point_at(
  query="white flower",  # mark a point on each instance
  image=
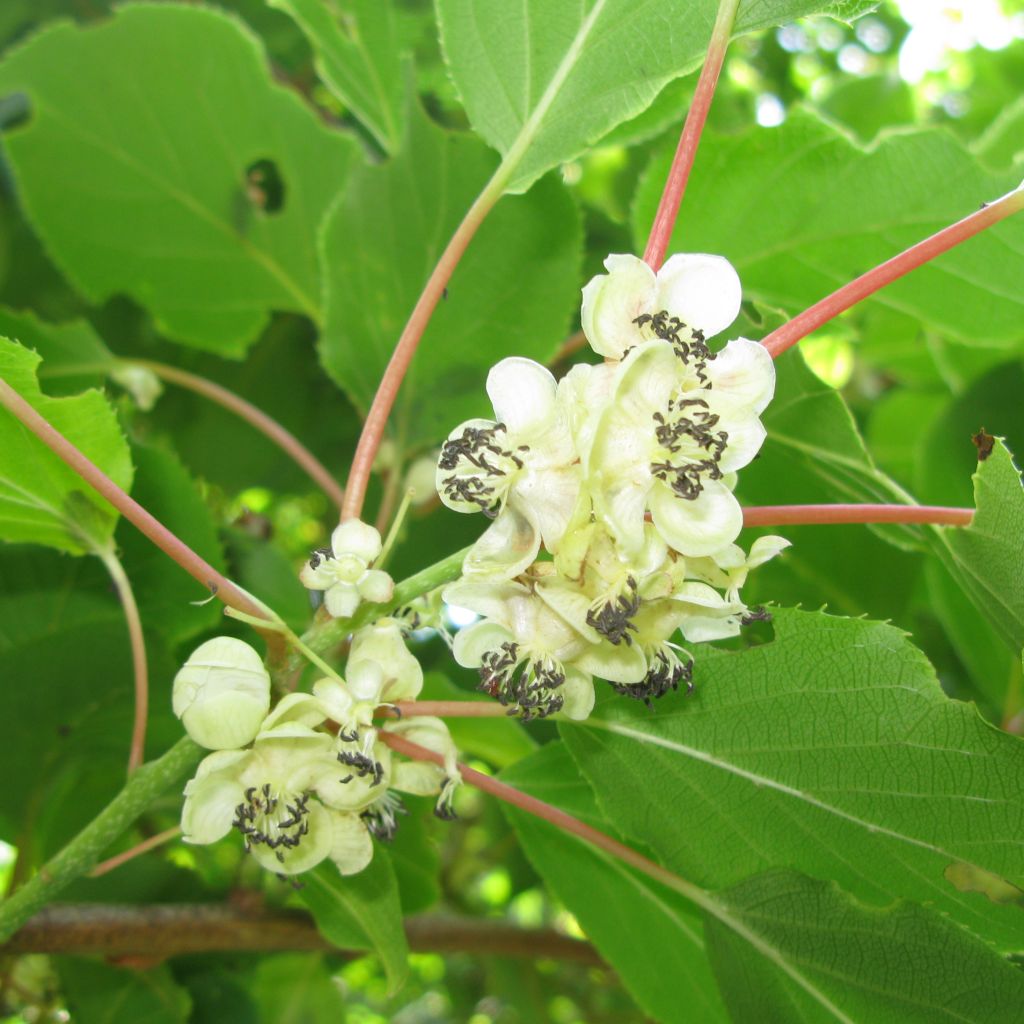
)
(520, 468)
(222, 694)
(693, 297)
(343, 570)
(676, 429)
(524, 651)
(273, 794)
(424, 778)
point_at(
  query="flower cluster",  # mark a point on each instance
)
(623, 473)
(311, 778)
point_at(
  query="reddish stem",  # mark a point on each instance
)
(867, 284)
(799, 515)
(284, 439)
(443, 709)
(405, 349)
(144, 847)
(689, 140)
(555, 815)
(196, 566)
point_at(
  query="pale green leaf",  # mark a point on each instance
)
(358, 58)
(360, 912)
(801, 210)
(646, 931)
(987, 557)
(541, 81)
(41, 499)
(139, 168)
(825, 957)
(832, 750)
(513, 293)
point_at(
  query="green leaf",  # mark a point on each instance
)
(800, 210)
(361, 912)
(296, 988)
(896, 965)
(414, 857)
(41, 499)
(358, 58)
(814, 452)
(514, 292)
(170, 601)
(138, 168)
(103, 994)
(646, 931)
(832, 750)
(542, 81)
(986, 557)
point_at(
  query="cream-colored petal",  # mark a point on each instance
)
(342, 600)
(764, 549)
(421, 778)
(618, 663)
(506, 548)
(313, 847)
(550, 495)
(376, 586)
(698, 527)
(523, 395)
(473, 642)
(577, 693)
(302, 708)
(743, 374)
(703, 291)
(701, 629)
(622, 511)
(746, 435)
(491, 599)
(351, 845)
(612, 301)
(209, 808)
(357, 538)
(225, 721)
(325, 574)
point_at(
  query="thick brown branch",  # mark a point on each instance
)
(175, 929)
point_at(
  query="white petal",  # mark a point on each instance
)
(376, 586)
(577, 693)
(342, 600)
(492, 600)
(765, 548)
(365, 679)
(384, 645)
(431, 733)
(323, 576)
(622, 663)
(700, 629)
(703, 291)
(743, 373)
(356, 538)
(611, 302)
(225, 721)
(303, 708)
(506, 548)
(569, 602)
(622, 511)
(473, 642)
(209, 808)
(351, 847)
(418, 777)
(699, 527)
(703, 596)
(550, 495)
(746, 436)
(314, 846)
(522, 393)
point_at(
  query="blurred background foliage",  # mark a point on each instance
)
(916, 394)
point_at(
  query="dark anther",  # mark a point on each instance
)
(694, 348)
(614, 619)
(443, 809)
(756, 615)
(320, 555)
(348, 737)
(381, 818)
(524, 686)
(363, 766)
(664, 675)
(984, 442)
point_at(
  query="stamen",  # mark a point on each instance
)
(478, 447)
(760, 614)
(667, 328)
(612, 618)
(664, 675)
(381, 817)
(363, 764)
(255, 819)
(689, 419)
(523, 685)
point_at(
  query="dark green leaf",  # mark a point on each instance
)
(811, 952)
(361, 912)
(514, 292)
(101, 994)
(800, 210)
(358, 58)
(179, 174)
(647, 932)
(831, 749)
(541, 81)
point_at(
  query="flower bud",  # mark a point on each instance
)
(222, 694)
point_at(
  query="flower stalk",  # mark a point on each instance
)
(802, 515)
(885, 273)
(689, 140)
